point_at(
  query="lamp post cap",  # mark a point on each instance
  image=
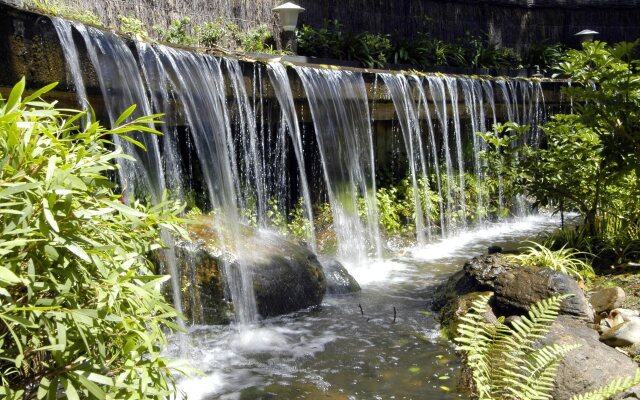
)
(586, 32)
(288, 6)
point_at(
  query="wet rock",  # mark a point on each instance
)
(623, 335)
(494, 249)
(477, 275)
(607, 299)
(201, 283)
(518, 289)
(457, 308)
(339, 281)
(286, 276)
(589, 367)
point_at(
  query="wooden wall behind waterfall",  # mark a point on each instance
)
(513, 23)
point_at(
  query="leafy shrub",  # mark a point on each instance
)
(177, 33)
(55, 8)
(133, 27)
(220, 32)
(506, 365)
(544, 56)
(257, 40)
(81, 311)
(563, 260)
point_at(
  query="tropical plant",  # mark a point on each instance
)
(565, 260)
(503, 361)
(506, 363)
(81, 312)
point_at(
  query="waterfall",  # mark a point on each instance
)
(438, 94)
(118, 74)
(282, 88)
(253, 155)
(197, 81)
(340, 110)
(400, 91)
(65, 34)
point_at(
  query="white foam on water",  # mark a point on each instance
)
(454, 246)
(198, 388)
(376, 271)
(228, 357)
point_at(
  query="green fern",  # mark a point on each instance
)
(615, 387)
(503, 361)
(505, 364)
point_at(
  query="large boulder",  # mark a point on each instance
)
(287, 276)
(201, 284)
(589, 367)
(454, 310)
(339, 280)
(517, 290)
(477, 275)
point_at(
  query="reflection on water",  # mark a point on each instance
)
(335, 351)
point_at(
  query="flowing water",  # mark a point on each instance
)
(335, 351)
(248, 151)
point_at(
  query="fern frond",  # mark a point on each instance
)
(615, 387)
(503, 360)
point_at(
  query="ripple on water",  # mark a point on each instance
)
(338, 352)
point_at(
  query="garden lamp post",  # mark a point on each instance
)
(586, 35)
(288, 13)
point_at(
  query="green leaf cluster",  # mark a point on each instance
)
(56, 8)
(507, 363)
(566, 260)
(374, 50)
(81, 312)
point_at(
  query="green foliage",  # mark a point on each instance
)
(501, 164)
(133, 27)
(588, 161)
(55, 8)
(257, 40)
(606, 92)
(375, 50)
(504, 362)
(220, 32)
(616, 386)
(544, 56)
(566, 260)
(177, 33)
(81, 312)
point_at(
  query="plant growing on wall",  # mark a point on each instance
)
(133, 27)
(81, 312)
(177, 33)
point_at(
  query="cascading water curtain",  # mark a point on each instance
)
(340, 111)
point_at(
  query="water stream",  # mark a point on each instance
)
(335, 352)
